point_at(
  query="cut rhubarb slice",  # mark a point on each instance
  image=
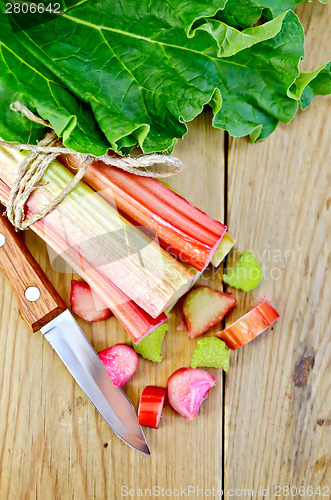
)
(212, 353)
(204, 307)
(86, 305)
(245, 275)
(182, 229)
(187, 388)
(121, 363)
(250, 325)
(151, 406)
(223, 249)
(150, 347)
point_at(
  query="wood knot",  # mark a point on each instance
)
(323, 421)
(302, 370)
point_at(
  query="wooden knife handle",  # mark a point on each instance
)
(38, 299)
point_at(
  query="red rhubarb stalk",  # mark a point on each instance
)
(134, 319)
(151, 406)
(182, 229)
(250, 325)
(104, 240)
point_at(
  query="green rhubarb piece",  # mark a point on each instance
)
(211, 352)
(150, 347)
(245, 275)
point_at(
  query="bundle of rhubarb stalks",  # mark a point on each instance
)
(140, 247)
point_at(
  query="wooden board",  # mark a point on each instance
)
(53, 437)
(277, 393)
(275, 423)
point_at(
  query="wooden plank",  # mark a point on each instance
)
(53, 443)
(277, 393)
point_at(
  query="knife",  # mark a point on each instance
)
(43, 309)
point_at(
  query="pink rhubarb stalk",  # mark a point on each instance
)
(135, 320)
(182, 229)
(119, 251)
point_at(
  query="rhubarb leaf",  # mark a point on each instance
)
(245, 13)
(311, 84)
(319, 85)
(23, 78)
(258, 99)
(231, 40)
(122, 74)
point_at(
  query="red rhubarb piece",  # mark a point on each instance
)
(151, 406)
(204, 307)
(187, 388)
(121, 362)
(86, 304)
(250, 325)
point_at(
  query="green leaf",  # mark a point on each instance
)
(258, 98)
(134, 73)
(24, 79)
(231, 41)
(245, 13)
(319, 84)
(190, 12)
(311, 84)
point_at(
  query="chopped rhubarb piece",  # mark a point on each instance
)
(223, 249)
(86, 304)
(187, 388)
(181, 228)
(250, 325)
(212, 353)
(245, 275)
(204, 307)
(121, 362)
(151, 406)
(150, 347)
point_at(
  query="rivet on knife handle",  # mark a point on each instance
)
(39, 301)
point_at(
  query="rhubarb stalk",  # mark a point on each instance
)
(182, 229)
(89, 234)
(135, 320)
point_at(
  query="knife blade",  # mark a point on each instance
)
(43, 309)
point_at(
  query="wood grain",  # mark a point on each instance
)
(53, 442)
(277, 392)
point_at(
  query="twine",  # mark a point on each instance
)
(41, 155)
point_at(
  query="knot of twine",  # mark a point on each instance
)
(42, 154)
